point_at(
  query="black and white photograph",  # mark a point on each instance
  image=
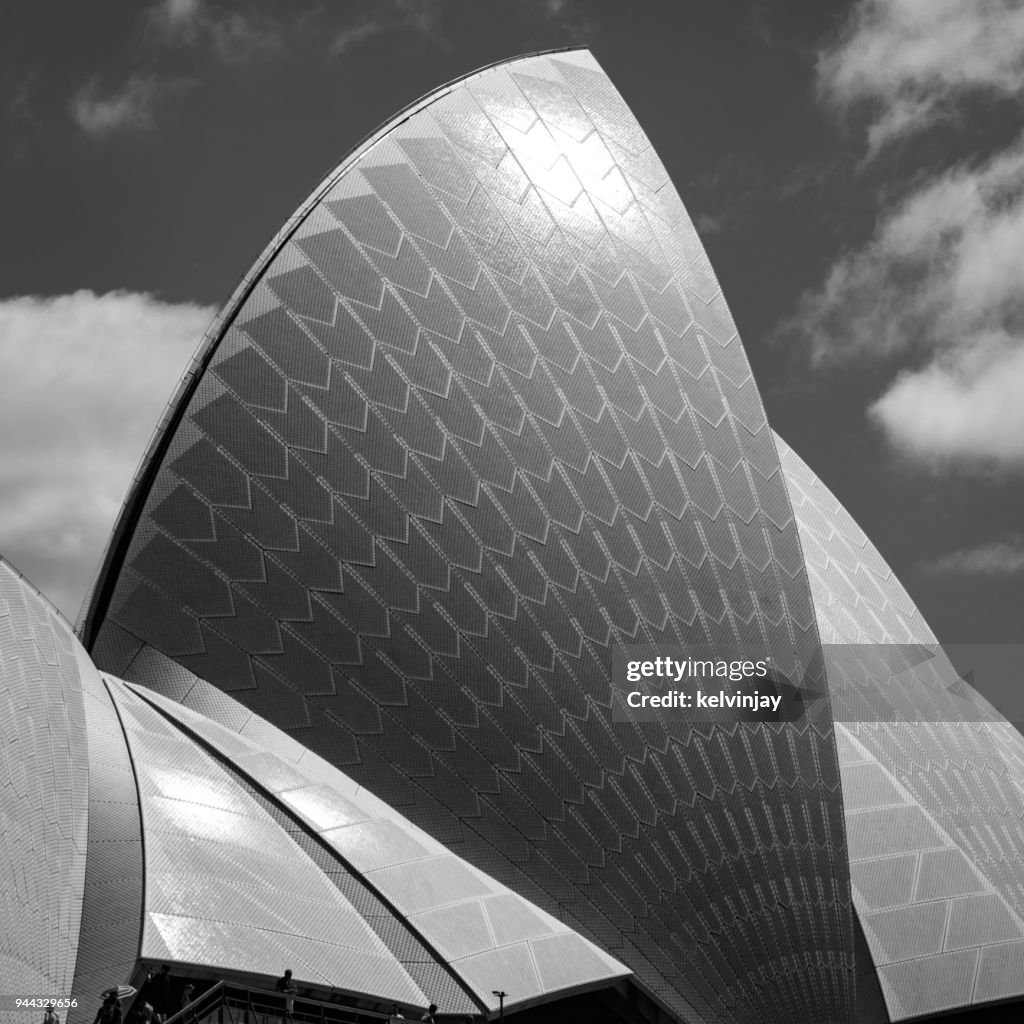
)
(511, 509)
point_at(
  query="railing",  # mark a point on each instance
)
(233, 1004)
(202, 1007)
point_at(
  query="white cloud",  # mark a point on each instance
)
(421, 16)
(129, 108)
(934, 298)
(958, 412)
(939, 286)
(942, 269)
(908, 61)
(231, 35)
(999, 558)
(87, 377)
(178, 15)
(353, 35)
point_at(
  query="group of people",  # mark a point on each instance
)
(155, 1004)
(158, 998)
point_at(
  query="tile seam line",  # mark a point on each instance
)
(141, 818)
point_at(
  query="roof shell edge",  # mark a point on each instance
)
(97, 599)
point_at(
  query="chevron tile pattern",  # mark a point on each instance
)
(227, 889)
(71, 861)
(485, 933)
(934, 809)
(479, 414)
(44, 805)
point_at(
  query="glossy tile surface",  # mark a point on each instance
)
(934, 808)
(44, 804)
(226, 888)
(475, 925)
(478, 414)
(482, 414)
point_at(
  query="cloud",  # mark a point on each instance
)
(942, 268)
(907, 62)
(427, 18)
(352, 35)
(421, 16)
(937, 287)
(959, 413)
(129, 108)
(231, 35)
(934, 298)
(93, 374)
(999, 558)
(19, 106)
(708, 224)
(177, 16)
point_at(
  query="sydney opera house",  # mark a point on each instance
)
(342, 698)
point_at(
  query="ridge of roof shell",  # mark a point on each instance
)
(94, 605)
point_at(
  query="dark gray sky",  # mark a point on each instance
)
(854, 169)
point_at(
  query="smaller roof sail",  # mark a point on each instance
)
(932, 777)
(44, 775)
(227, 888)
(489, 936)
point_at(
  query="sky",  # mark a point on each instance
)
(855, 170)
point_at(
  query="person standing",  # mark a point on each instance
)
(158, 993)
(109, 1012)
(286, 985)
(50, 1017)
